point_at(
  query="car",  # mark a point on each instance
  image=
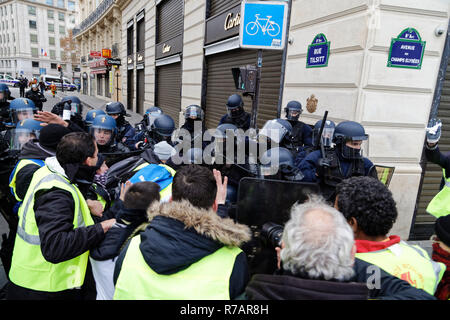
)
(8, 80)
(48, 79)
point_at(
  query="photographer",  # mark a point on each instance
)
(317, 261)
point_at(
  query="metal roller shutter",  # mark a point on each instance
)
(424, 223)
(169, 20)
(217, 6)
(168, 89)
(220, 84)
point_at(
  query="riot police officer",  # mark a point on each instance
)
(301, 132)
(192, 115)
(277, 132)
(162, 129)
(144, 127)
(125, 132)
(343, 161)
(326, 140)
(278, 164)
(236, 114)
(104, 130)
(4, 104)
(76, 110)
(36, 96)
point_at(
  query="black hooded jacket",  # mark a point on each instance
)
(180, 234)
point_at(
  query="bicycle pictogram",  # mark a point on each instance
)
(271, 27)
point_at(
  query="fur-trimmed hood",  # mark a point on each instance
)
(180, 234)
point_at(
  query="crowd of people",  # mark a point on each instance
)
(103, 209)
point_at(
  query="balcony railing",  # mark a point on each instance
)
(93, 17)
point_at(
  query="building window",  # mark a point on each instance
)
(71, 5)
(61, 16)
(51, 27)
(12, 23)
(49, 2)
(50, 14)
(53, 66)
(31, 10)
(61, 3)
(35, 64)
(32, 24)
(51, 41)
(33, 38)
(34, 52)
(62, 30)
(130, 43)
(52, 54)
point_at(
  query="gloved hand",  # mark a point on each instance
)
(434, 131)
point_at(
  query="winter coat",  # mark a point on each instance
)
(180, 234)
(362, 285)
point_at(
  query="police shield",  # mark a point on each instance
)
(114, 157)
(264, 205)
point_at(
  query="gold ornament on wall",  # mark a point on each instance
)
(311, 104)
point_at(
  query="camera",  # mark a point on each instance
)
(271, 234)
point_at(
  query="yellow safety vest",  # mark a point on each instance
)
(407, 262)
(440, 205)
(165, 193)
(206, 279)
(22, 163)
(29, 269)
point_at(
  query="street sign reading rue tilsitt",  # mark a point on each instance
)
(263, 24)
(318, 52)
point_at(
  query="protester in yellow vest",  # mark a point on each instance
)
(187, 251)
(440, 205)
(371, 211)
(55, 229)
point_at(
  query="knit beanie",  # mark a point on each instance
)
(51, 135)
(442, 229)
(164, 150)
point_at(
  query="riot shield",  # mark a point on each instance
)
(114, 157)
(264, 206)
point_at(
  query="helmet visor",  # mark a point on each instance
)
(293, 114)
(22, 114)
(102, 136)
(272, 130)
(22, 136)
(327, 136)
(235, 112)
(75, 108)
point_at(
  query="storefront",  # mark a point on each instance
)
(169, 47)
(222, 53)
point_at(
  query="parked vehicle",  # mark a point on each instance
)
(48, 79)
(8, 80)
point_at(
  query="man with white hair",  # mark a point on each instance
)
(317, 261)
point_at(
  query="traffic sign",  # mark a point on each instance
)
(407, 50)
(263, 24)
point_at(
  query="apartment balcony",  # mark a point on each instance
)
(96, 15)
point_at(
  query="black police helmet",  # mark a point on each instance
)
(349, 130)
(293, 107)
(115, 108)
(164, 125)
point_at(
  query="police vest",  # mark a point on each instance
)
(297, 134)
(13, 177)
(409, 263)
(440, 205)
(165, 191)
(208, 278)
(29, 269)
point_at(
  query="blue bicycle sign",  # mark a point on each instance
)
(272, 28)
(263, 24)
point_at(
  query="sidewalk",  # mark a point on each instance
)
(97, 103)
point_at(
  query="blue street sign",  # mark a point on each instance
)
(407, 50)
(318, 52)
(263, 24)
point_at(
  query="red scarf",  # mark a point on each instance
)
(369, 246)
(440, 255)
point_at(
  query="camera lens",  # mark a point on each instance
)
(271, 234)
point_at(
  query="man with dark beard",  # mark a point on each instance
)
(56, 230)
